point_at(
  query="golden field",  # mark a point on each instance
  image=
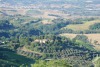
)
(91, 37)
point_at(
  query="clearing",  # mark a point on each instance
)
(84, 26)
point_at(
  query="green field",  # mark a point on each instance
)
(84, 26)
(96, 61)
(10, 58)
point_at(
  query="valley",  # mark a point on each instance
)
(49, 33)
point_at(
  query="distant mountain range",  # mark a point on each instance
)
(28, 2)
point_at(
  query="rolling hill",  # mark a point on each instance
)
(91, 37)
(10, 58)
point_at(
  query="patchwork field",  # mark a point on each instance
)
(91, 37)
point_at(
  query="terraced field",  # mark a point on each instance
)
(9, 58)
